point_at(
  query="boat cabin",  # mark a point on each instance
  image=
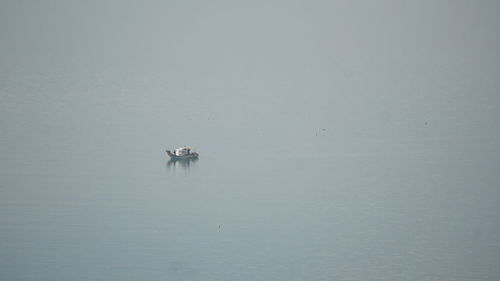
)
(182, 151)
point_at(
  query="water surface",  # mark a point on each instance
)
(336, 141)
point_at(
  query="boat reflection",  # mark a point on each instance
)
(181, 163)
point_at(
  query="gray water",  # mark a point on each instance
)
(337, 140)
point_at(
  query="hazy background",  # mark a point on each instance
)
(338, 140)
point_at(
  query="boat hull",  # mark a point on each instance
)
(174, 157)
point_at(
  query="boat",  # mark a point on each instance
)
(183, 152)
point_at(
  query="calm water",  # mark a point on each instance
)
(318, 160)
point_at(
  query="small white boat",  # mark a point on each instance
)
(183, 152)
